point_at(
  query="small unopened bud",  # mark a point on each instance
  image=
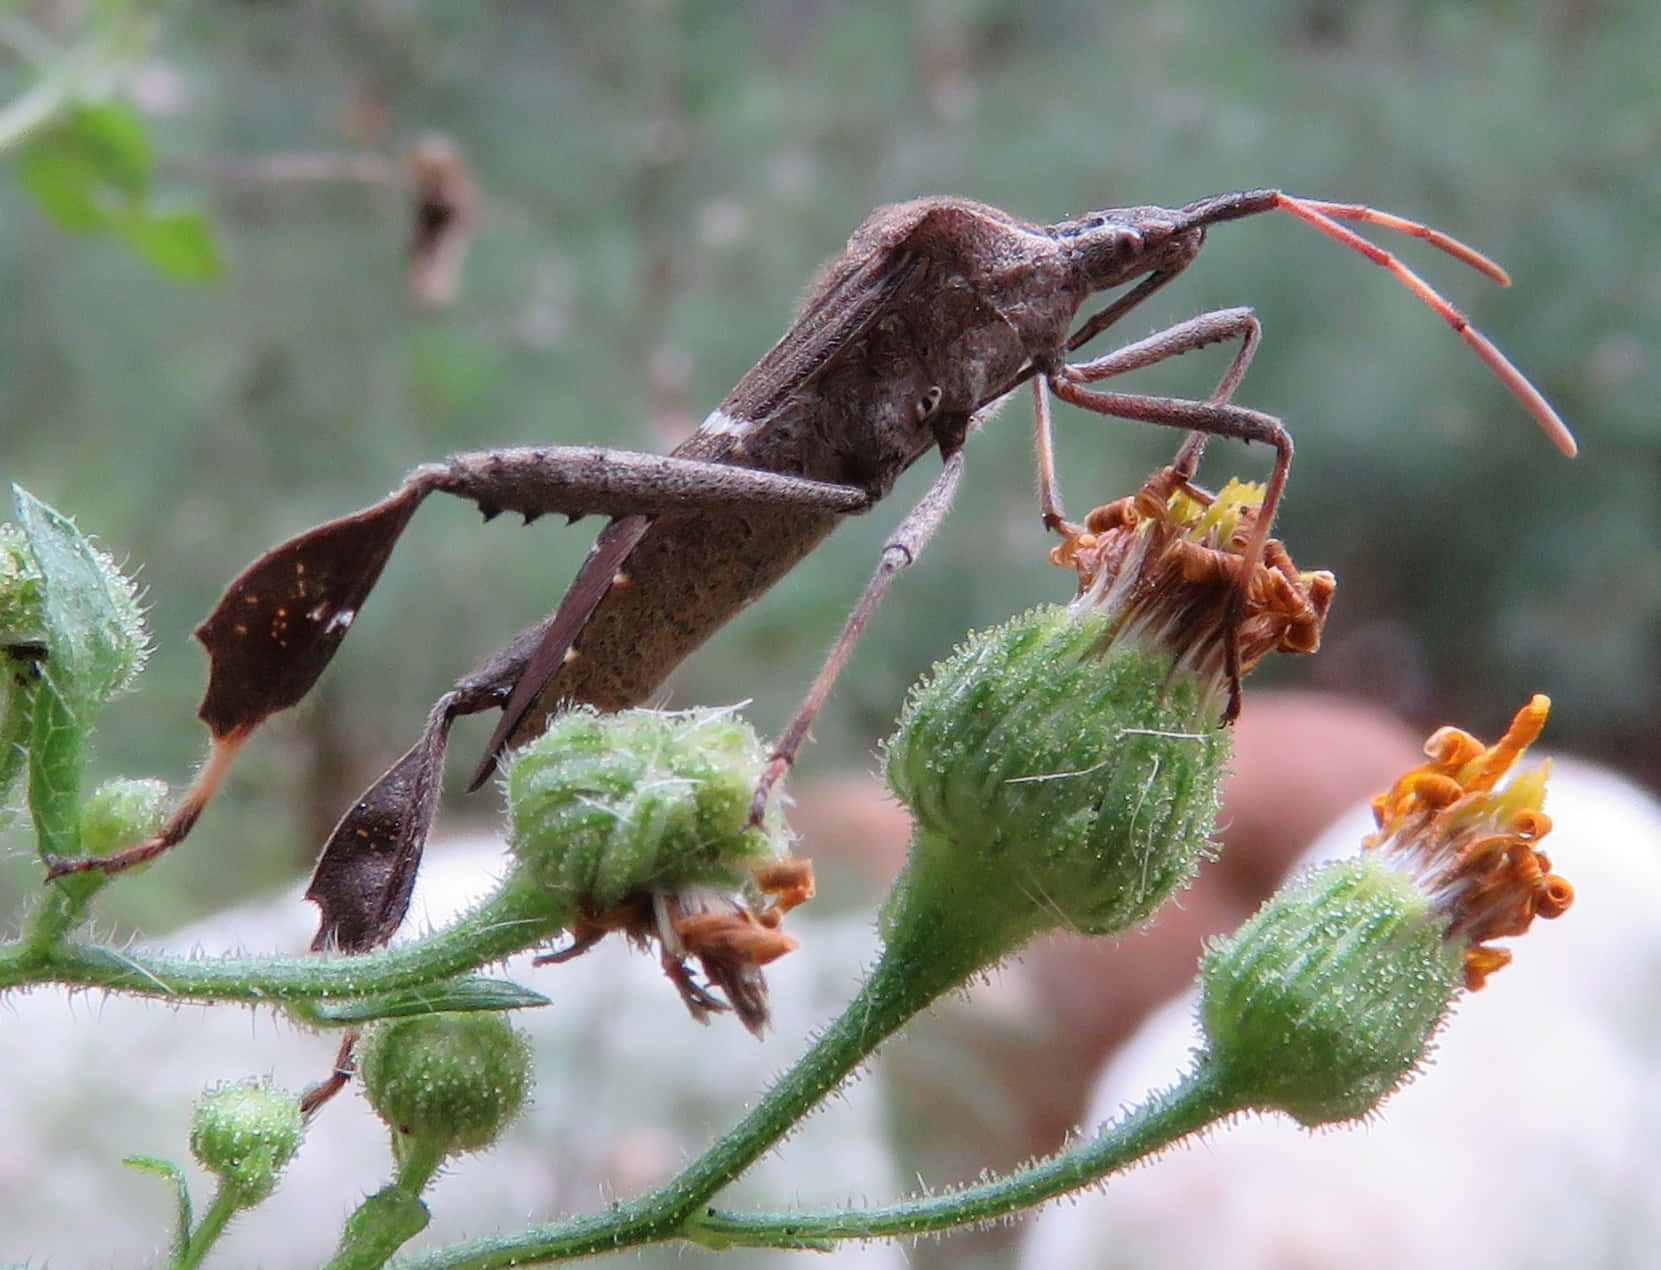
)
(1064, 768)
(22, 608)
(121, 812)
(1327, 999)
(447, 1083)
(245, 1134)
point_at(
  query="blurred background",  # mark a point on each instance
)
(646, 189)
(656, 183)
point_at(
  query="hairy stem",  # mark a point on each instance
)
(1197, 1101)
(922, 960)
(213, 1225)
(515, 918)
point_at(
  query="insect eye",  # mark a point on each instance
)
(928, 403)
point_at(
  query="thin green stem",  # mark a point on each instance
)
(206, 1234)
(382, 1224)
(1198, 1100)
(62, 907)
(515, 918)
(418, 1160)
(925, 957)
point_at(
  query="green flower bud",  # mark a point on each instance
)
(1327, 999)
(1078, 778)
(245, 1134)
(22, 600)
(26, 609)
(605, 807)
(1064, 769)
(445, 1083)
(121, 812)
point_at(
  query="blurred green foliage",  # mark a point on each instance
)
(91, 173)
(659, 180)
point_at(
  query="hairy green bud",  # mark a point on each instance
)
(445, 1083)
(604, 807)
(1077, 777)
(22, 600)
(121, 812)
(1326, 1000)
(245, 1134)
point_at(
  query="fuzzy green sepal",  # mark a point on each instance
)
(606, 806)
(1058, 779)
(1325, 1002)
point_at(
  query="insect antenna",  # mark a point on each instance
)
(1325, 217)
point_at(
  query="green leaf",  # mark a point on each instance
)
(110, 139)
(96, 159)
(91, 174)
(88, 653)
(173, 1173)
(454, 996)
(64, 188)
(180, 244)
(18, 681)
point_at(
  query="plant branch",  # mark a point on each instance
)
(515, 918)
(915, 969)
(1195, 1102)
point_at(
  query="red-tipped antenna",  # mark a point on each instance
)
(1322, 215)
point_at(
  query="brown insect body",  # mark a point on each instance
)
(935, 312)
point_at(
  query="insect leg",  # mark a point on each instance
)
(1207, 328)
(902, 549)
(1049, 485)
(1184, 337)
(280, 622)
(1210, 418)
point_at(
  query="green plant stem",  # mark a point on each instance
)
(395, 1214)
(418, 1160)
(62, 907)
(926, 956)
(206, 1234)
(119, 33)
(1198, 1100)
(517, 917)
(382, 1224)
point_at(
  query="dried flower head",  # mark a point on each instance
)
(1167, 563)
(639, 822)
(731, 936)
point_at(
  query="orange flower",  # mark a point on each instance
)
(1474, 848)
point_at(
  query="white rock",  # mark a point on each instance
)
(628, 1089)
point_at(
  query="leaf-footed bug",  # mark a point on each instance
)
(936, 311)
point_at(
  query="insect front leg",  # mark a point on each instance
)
(1198, 332)
(901, 550)
(1203, 419)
